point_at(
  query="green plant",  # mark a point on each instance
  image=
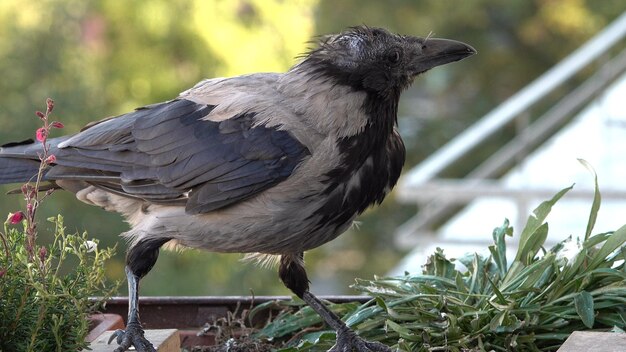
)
(531, 305)
(43, 306)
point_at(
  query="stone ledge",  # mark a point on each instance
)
(587, 341)
(164, 340)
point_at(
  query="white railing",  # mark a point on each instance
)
(520, 102)
(416, 186)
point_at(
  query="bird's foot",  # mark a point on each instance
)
(132, 336)
(349, 341)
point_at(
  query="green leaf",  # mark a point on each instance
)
(496, 322)
(499, 295)
(617, 329)
(438, 265)
(404, 332)
(498, 250)
(536, 270)
(460, 284)
(317, 336)
(583, 302)
(365, 311)
(381, 303)
(595, 206)
(613, 242)
(528, 240)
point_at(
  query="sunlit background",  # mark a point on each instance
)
(103, 58)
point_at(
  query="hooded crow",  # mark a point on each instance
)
(267, 163)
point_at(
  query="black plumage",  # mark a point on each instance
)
(269, 163)
(161, 152)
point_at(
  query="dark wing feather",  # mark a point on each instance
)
(167, 153)
(14, 170)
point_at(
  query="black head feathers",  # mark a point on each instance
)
(378, 61)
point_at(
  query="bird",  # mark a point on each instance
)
(269, 164)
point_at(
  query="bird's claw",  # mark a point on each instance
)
(349, 341)
(132, 336)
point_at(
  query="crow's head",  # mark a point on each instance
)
(377, 61)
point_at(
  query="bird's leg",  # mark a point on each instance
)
(293, 275)
(139, 260)
(133, 335)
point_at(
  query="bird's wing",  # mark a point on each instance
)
(172, 153)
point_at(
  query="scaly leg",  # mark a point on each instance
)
(139, 260)
(133, 335)
(293, 275)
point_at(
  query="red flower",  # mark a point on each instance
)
(56, 124)
(16, 218)
(42, 134)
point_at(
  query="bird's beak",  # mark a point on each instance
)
(437, 52)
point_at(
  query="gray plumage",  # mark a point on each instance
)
(263, 163)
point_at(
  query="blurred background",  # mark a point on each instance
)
(104, 58)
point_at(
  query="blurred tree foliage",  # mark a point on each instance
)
(101, 58)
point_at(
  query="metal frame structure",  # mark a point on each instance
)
(437, 197)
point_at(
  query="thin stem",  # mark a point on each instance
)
(32, 196)
(6, 247)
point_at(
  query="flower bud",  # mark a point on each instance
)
(41, 134)
(43, 254)
(50, 159)
(40, 114)
(56, 124)
(49, 104)
(15, 218)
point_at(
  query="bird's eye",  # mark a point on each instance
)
(393, 56)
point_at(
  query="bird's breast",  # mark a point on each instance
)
(370, 167)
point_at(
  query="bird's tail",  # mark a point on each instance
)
(19, 162)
